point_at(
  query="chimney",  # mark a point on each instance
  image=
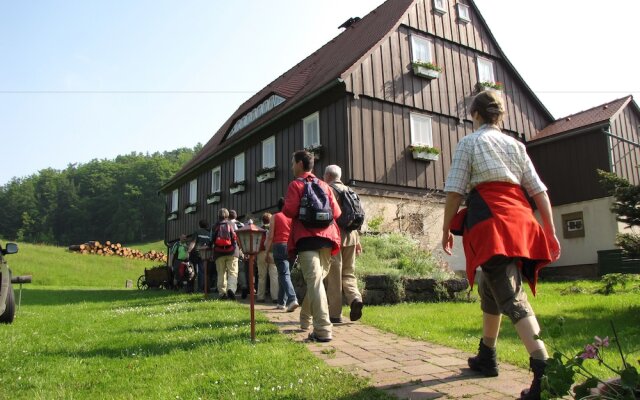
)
(349, 22)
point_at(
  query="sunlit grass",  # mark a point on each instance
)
(585, 315)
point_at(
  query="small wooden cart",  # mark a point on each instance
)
(156, 278)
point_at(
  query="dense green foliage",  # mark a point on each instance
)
(102, 200)
(397, 255)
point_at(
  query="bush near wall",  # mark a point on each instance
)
(394, 268)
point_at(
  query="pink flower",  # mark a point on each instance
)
(601, 342)
(590, 351)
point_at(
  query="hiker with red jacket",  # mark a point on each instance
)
(315, 237)
(500, 233)
(225, 243)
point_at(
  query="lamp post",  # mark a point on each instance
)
(249, 237)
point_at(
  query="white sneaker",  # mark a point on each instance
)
(280, 307)
(292, 306)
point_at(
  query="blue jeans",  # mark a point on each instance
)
(280, 257)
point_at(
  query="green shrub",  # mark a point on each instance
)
(630, 244)
(398, 255)
(375, 223)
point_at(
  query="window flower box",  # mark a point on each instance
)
(424, 153)
(495, 86)
(191, 208)
(316, 150)
(266, 174)
(237, 187)
(426, 70)
(172, 216)
(214, 198)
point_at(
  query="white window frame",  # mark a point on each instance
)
(238, 168)
(269, 152)
(464, 14)
(421, 49)
(216, 183)
(193, 191)
(174, 200)
(421, 129)
(440, 6)
(311, 139)
(489, 67)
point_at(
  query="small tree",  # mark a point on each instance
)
(626, 207)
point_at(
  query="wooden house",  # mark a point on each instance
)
(376, 100)
(567, 154)
(363, 101)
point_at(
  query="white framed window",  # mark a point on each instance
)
(216, 180)
(421, 133)
(485, 70)
(311, 130)
(421, 49)
(440, 5)
(269, 152)
(463, 12)
(238, 168)
(193, 191)
(174, 200)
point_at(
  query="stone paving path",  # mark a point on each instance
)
(408, 369)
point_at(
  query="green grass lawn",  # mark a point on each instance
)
(79, 334)
(585, 315)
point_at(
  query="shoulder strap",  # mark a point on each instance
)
(335, 187)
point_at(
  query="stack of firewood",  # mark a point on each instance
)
(116, 249)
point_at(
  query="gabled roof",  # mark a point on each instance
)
(320, 70)
(592, 117)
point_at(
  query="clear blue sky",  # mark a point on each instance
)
(81, 79)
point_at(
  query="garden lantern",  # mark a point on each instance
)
(249, 237)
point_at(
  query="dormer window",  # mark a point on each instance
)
(440, 6)
(463, 12)
(256, 112)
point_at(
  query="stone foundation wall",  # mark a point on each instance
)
(386, 289)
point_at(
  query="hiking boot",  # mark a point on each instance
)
(485, 362)
(538, 367)
(230, 295)
(356, 310)
(335, 320)
(315, 338)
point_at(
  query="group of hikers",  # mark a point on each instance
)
(316, 227)
(499, 232)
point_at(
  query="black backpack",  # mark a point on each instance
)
(315, 208)
(352, 216)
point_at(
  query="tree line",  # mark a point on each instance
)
(101, 200)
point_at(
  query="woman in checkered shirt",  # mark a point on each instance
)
(500, 232)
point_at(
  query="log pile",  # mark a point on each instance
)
(116, 249)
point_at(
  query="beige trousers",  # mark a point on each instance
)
(263, 268)
(227, 268)
(315, 266)
(342, 279)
